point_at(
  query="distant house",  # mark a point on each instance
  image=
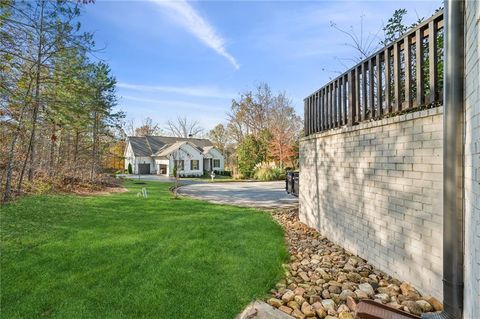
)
(158, 155)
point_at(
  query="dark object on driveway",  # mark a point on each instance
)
(291, 183)
(369, 309)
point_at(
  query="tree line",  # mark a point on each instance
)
(57, 116)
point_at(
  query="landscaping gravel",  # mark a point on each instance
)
(322, 280)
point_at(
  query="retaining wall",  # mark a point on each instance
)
(376, 190)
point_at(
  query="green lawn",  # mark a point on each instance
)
(119, 256)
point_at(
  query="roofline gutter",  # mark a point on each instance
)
(453, 162)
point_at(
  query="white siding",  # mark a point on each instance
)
(187, 153)
(216, 155)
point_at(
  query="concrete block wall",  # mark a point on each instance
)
(472, 161)
(376, 189)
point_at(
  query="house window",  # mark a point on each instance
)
(194, 165)
(179, 164)
(216, 163)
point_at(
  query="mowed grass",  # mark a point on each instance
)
(119, 256)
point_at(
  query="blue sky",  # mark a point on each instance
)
(191, 59)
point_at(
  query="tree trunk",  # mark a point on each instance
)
(94, 147)
(9, 169)
(31, 170)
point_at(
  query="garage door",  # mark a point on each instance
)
(143, 169)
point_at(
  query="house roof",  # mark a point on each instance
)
(156, 145)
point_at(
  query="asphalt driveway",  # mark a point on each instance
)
(251, 194)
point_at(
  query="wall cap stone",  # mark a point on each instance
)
(377, 123)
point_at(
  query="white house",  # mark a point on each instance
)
(158, 155)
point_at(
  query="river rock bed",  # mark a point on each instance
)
(322, 280)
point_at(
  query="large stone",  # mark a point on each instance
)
(426, 307)
(342, 308)
(346, 293)
(319, 310)
(437, 305)
(299, 299)
(286, 309)
(304, 276)
(328, 304)
(354, 277)
(413, 307)
(288, 296)
(293, 305)
(296, 313)
(367, 288)
(274, 302)
(323, 274)
(351, 304)
(408, 290)
(361, 294)
(299, 291)
(308, 310)
(384, 298)
(335, 289)
(345, 315)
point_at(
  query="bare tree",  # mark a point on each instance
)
(364, 44)
(184, 127)
(148, 128)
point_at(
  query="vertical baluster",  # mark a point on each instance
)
(432, 60)
(320, 98)
(397, 106)
(351, 98)
(336, 85)
(371, 93)
(327, 107)
(358, 99)
(408, 73)
(419, 67)
(305, 117)
(320, 109)
(379, 87)
(335, 104)
(364, 91)
(316, 112)
(344, 99)
(388, 102)
(339, 107)
(324, 102)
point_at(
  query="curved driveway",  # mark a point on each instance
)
(251, 194)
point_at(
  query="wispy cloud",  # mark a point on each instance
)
(187, 16)
(199, 91)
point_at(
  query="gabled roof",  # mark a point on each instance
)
(150, 145)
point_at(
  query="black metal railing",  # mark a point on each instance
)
(403, 76)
